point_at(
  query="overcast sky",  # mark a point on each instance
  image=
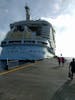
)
(61, 13)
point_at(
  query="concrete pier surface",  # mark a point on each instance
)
(42, 80)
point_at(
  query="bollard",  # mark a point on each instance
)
(6, 67)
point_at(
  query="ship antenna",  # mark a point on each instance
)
(27, 12)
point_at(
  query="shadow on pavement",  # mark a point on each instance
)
(56, 67)
(66, 92)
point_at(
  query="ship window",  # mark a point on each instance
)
(33, 28)
(44, 43)
(20, 28)
(29, 41)
(14, 41)
(3, 43)
(36, 29)
(11, 27)
(44, 24)
(15, 29)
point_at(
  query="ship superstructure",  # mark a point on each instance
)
(29, 40)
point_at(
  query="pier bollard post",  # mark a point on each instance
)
(6, 67)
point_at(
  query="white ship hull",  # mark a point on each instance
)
(25, 52)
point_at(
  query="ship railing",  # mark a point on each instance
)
(12, 42)
(4, 43)
(35, 42)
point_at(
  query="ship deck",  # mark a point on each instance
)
(42, 80)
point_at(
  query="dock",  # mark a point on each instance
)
(42, 80)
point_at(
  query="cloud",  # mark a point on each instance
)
(56, 7)
(2, 35)
(65, 34)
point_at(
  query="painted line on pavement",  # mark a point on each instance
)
(16, 69)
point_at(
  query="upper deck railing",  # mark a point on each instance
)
(21, 42)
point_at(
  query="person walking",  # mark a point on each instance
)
(59, 61)
(62, 61)
(72, 68)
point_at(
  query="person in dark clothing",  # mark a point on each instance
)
(62, 60)
(72, 67)
(59, 61)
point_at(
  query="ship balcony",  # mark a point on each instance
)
(5, 43)
(27, 42)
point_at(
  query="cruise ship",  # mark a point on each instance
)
(28, 40)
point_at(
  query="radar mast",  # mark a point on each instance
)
(27, 12)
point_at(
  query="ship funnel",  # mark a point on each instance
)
(27, 13)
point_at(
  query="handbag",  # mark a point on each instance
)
(70, 75)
